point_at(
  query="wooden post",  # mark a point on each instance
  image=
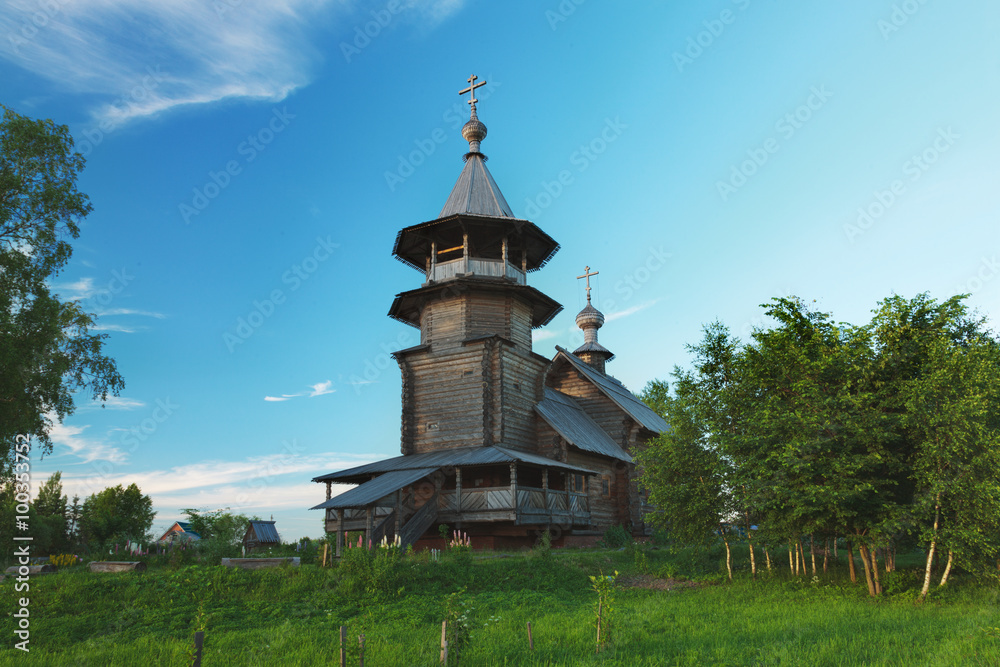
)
(524, 263)
(328, 485)
(545, 493)
(465, 252)
(399, 512)
(326, 547)
(434, 260)
(444, 642)
(361, 646)
(199, 639)
(340, 532)
(369, 523)
(505, 259)
(569, 505)
(343, 646)
(458, 490)
(531, 642)
(513, 490)
(600, 604)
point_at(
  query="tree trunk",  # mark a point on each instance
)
(850, 562)
(826, 553)
(812, 552)
(947, 568)
(753, 562)
(863, 552)
(878, 581)
(791, 562)
(767, 556)
(729, 558)
(836, 554)
(930, 552)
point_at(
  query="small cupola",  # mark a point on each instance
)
(590, 320)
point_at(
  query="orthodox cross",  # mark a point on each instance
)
(587, 274)
(472, 90)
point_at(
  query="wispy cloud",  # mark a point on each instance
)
(254, 479)
(114, 403)
(130, 311)
(544, 334)
(121, 328)
(142, 57)
(318, 389)
(630, 311)
(86, 449)
(322, 388)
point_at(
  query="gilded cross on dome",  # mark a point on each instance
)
(472, 91)
(587, 274)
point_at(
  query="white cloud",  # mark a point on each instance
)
(121, 328)
(142, 57)
(277, 479)
(276, 399)
(130, 311)
(115, 403)
(543, 334)
(630, 311)
(322, 388)
(87, 449)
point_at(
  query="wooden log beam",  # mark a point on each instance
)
(31, 569)
(260, 563)
(117, 566)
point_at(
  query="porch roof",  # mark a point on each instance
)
(462, 456)
(372, 490)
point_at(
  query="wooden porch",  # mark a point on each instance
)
(441, 498)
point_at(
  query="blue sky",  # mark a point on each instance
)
(250, 164)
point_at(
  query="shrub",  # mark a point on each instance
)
(616, 537)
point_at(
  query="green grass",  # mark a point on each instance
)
(291, 616)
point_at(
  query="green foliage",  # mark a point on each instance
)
(47, 353)
(289, 616)
(51, 526)
(117, 514)
(372, 575)
(604, 608)
(458, 632)
(616, 537)
(822, 428)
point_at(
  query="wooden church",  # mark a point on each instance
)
(496, 440)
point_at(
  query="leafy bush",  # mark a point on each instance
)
(373, 573)
(616, 537)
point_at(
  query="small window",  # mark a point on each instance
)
(577, 484)
(606, 486)
(432, 426)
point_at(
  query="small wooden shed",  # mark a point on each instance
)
(261, 535)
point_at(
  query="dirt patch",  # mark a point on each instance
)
(650, 582)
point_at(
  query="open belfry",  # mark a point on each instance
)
(496, 440)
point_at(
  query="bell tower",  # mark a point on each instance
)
(474, 379)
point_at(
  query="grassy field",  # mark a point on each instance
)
(291, 616)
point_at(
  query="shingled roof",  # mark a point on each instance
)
(570, 421)
(476, 192)
(459, 456)
(617, 392)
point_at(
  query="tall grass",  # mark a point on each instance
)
(290, 616)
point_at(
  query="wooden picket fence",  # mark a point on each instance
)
(199, 642)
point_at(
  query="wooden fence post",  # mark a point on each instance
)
(531, 642)
(199, 639)
(326, 546)
(444, 642)
(343, 646)
(361, 646)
